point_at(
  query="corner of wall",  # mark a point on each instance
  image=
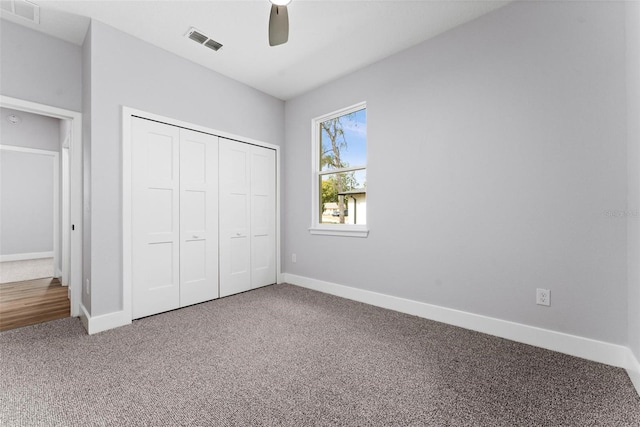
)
(633, 178)
(96, 324)
(86, 168)
(633, 370)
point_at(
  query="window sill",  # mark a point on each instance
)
(344, 231)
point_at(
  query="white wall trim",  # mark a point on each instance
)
(29, 150)
(65, 222)
(127, 236)
(75, 184)
(347, 231)
(23, 257)
(127, 270)
(586, 348)
(278, 224)
(96, 324)
(181, 123)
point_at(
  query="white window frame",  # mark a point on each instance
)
(317, 228)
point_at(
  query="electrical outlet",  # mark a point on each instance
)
(543, 297)
(294, 259)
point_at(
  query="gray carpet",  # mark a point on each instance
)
(284, 355)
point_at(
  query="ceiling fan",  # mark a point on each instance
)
(278, 22)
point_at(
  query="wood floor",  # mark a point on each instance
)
(32, 301)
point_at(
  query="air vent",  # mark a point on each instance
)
(198, 37)
(22, 8)
(212, 44)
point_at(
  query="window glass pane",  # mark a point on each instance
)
(343, 141)
(343, 198)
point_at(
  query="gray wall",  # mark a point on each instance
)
(26, 195)
(39, 68)
(127, 71)
(500, 146)
(35, 131)
(26, 203)
(633, 158)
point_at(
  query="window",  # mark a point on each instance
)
(340, 173)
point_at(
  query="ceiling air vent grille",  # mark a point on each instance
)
(203, 39)
(198, 37)
(212, 44)
(22, 8)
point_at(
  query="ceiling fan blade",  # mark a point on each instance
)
(278, 25)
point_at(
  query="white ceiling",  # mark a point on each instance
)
(327, 39)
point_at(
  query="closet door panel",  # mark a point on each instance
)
(198, 217)
(155, 218)
(263, 217)
(235, 246)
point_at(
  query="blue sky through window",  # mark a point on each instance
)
(355, 135)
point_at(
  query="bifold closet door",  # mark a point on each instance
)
(235, 211)
(263, 216)
(198, 217)
(155, 224)
(247, 217)
(174, 217)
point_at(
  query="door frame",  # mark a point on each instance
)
(74, 214)
(127, 114)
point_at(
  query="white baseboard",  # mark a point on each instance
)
(586, 348)
(95, 324)
(22, 257)
(633, 369)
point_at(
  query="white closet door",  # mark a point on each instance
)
(263, 217)
(235, 247)
(155, 217)
(198, 217)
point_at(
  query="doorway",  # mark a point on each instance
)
(30, 259)
(64, 284)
